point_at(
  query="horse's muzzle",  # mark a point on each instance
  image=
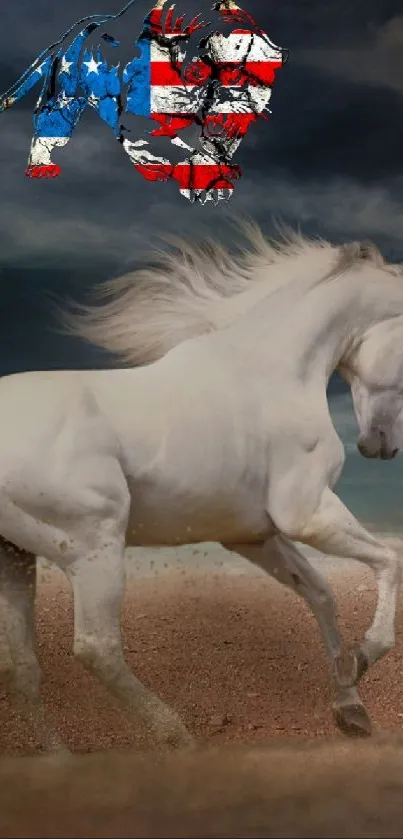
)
(376, 448)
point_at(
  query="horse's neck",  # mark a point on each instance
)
(268, 280)
(308, 328)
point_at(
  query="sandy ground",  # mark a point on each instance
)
(296, 790)
(241, 660)
(235, 653)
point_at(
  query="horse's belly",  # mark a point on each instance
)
(201, 477)
(158, 519)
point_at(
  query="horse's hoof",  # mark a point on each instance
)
(180, 740)
(352, 719)
(173, 737)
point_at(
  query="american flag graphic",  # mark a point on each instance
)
(223, 91)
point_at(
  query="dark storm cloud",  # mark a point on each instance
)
(375, 60)
(329, 160)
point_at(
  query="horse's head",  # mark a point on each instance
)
(374, 368)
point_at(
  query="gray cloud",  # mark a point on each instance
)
(30, 230)
(376, 60)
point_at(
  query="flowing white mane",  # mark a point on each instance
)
(201, 288)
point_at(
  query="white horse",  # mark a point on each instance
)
(223, 435)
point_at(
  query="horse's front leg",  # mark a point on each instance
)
(285, 563)
(331, 528)
(98, 582)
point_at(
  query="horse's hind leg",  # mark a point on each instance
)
(98, 582)
(280, 558)
(19, 668)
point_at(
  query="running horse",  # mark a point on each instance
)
(222, 432)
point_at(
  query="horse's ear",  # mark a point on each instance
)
(364, 250)
(369, 252)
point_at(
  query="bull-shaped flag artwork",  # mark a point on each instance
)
(221, 91)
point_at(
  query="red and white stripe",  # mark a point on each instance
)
(246, 63)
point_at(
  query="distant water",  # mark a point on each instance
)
(372, 489)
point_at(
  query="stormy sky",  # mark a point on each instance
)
(329, 161)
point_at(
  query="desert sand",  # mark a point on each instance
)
(240, 658)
